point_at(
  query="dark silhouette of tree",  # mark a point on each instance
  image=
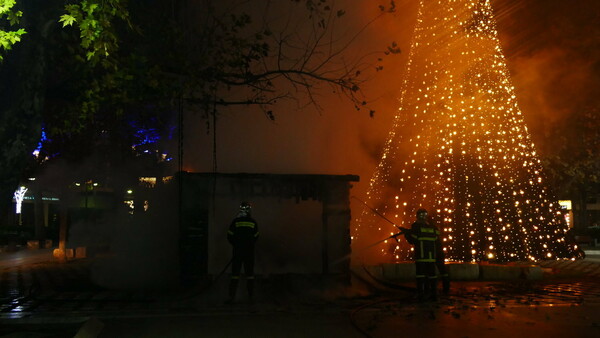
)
(574, 162)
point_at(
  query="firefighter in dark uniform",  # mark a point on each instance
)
(426, 239)
(242, 234)
(440, 263)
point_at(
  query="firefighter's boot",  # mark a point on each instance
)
(433, 288)
(428, 290)
(250, 287)
(233, 285)
(446, 284)
(421, 284)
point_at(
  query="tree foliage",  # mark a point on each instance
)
(9, 17)
(576, 157)
(96, 22)
(211, 55)
(574, 164)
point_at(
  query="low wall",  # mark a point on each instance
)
(460, 271)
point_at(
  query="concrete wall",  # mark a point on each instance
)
(460, 271)
(304, 221)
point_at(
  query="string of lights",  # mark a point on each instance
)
(459, 147)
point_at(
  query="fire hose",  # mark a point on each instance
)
(402, 230)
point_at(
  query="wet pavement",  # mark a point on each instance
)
(481, 319)
(40, 297)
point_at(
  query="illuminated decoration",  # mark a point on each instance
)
(19, 195)
(144, 136)
(87, 185)
(165, 158)
(566, 204)
(50, 199)
(130, 206)
(149, 182)
(43, 138)
(567, 207)
(459, 147)
(147, 138)
(569, 218)
(40, 155)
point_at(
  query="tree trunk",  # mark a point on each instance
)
(583, 219)
(38, 207)
(62, 234)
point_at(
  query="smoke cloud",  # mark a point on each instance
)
(551, 74)
(550, 54)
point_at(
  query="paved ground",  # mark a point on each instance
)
(43, 298)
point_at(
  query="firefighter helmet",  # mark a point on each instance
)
(421, 211)
(245, 208)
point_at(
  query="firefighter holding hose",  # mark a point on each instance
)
(427, 254)
(242, 234)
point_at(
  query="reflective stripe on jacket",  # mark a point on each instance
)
(243, 232)
(425, 238)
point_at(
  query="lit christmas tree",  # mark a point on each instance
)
(459, 148)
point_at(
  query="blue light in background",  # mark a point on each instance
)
(43, 138)
(146, 136)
